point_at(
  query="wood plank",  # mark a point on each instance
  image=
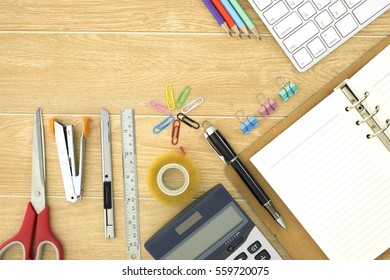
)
(79, 73)
(80, 229)
(15, 165)
(130, 16)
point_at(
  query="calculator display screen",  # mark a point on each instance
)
(206, 236)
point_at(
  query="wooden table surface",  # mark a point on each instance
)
(72, 58)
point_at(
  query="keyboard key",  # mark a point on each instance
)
(346, 25)
(301, 36)
(352, 3)
(302, 57)
(262, 4)
(368, 9)
(323, 19)
(321, 3)
(276, 12)
(254, 247)
(241, 256)
(294, 3)
(263, 255)
(330, 37)
(337, 9)
(287, 25)
(307, 11)
(316, 47)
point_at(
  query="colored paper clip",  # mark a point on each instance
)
(175, 132)
(163, 125)
(192, 105)
(160, 107)
(288, 89)
(188, 121)
(169, 97)
(268, 105)
(247, 123)
(183, 97)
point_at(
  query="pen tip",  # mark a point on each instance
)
(281, 222)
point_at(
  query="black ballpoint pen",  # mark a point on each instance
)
(222, 148)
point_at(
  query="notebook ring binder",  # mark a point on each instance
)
(369, 117)
(369, 136)
(354, 105)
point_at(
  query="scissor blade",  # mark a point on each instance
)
(38, 164)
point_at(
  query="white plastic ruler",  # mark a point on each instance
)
(130, 184)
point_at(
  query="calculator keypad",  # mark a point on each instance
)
(255, 247)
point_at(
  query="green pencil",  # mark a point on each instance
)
(245, 18)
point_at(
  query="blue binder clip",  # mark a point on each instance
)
(288, 89)
(247, 123)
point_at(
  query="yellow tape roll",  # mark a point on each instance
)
(167, 194)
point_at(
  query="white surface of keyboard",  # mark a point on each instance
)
(308, 30)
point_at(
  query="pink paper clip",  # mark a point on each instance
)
(160, 107)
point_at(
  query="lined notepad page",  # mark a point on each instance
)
(333, 179)
(374, 77)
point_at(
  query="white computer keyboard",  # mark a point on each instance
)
(308, 30)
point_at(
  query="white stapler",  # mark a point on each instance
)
(71, 177)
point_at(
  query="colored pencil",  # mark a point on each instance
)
(244, 16)
(240, 24)
(217, 16)
(230, 22)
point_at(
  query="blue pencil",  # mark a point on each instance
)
(240, 24)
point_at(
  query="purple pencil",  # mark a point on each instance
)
(217, 16)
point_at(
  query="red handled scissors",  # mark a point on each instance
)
(36, 219)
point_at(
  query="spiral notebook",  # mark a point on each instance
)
(331, 167)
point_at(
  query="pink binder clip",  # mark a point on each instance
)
(268, 105)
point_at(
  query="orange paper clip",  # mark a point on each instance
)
(175, 132)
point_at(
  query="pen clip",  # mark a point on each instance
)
(206, 136)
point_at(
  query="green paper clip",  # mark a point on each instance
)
(183, 97)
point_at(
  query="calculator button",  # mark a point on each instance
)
(241, 256)
(263, 255)
(254, 247)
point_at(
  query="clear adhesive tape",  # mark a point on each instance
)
(167, 194)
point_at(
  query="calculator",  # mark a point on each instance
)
(213, 227)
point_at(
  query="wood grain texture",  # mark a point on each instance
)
(72, 58)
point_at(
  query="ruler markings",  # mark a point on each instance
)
(130, 184)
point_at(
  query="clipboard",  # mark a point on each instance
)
(296, 241)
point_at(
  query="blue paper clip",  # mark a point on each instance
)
(288, 89)
(248, 124)
(163, 125)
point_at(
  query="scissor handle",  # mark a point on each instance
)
(44, 235)
(25, 235)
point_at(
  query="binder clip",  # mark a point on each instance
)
(72, 179)
(288, 89)
(268, 105)
(247, 123)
